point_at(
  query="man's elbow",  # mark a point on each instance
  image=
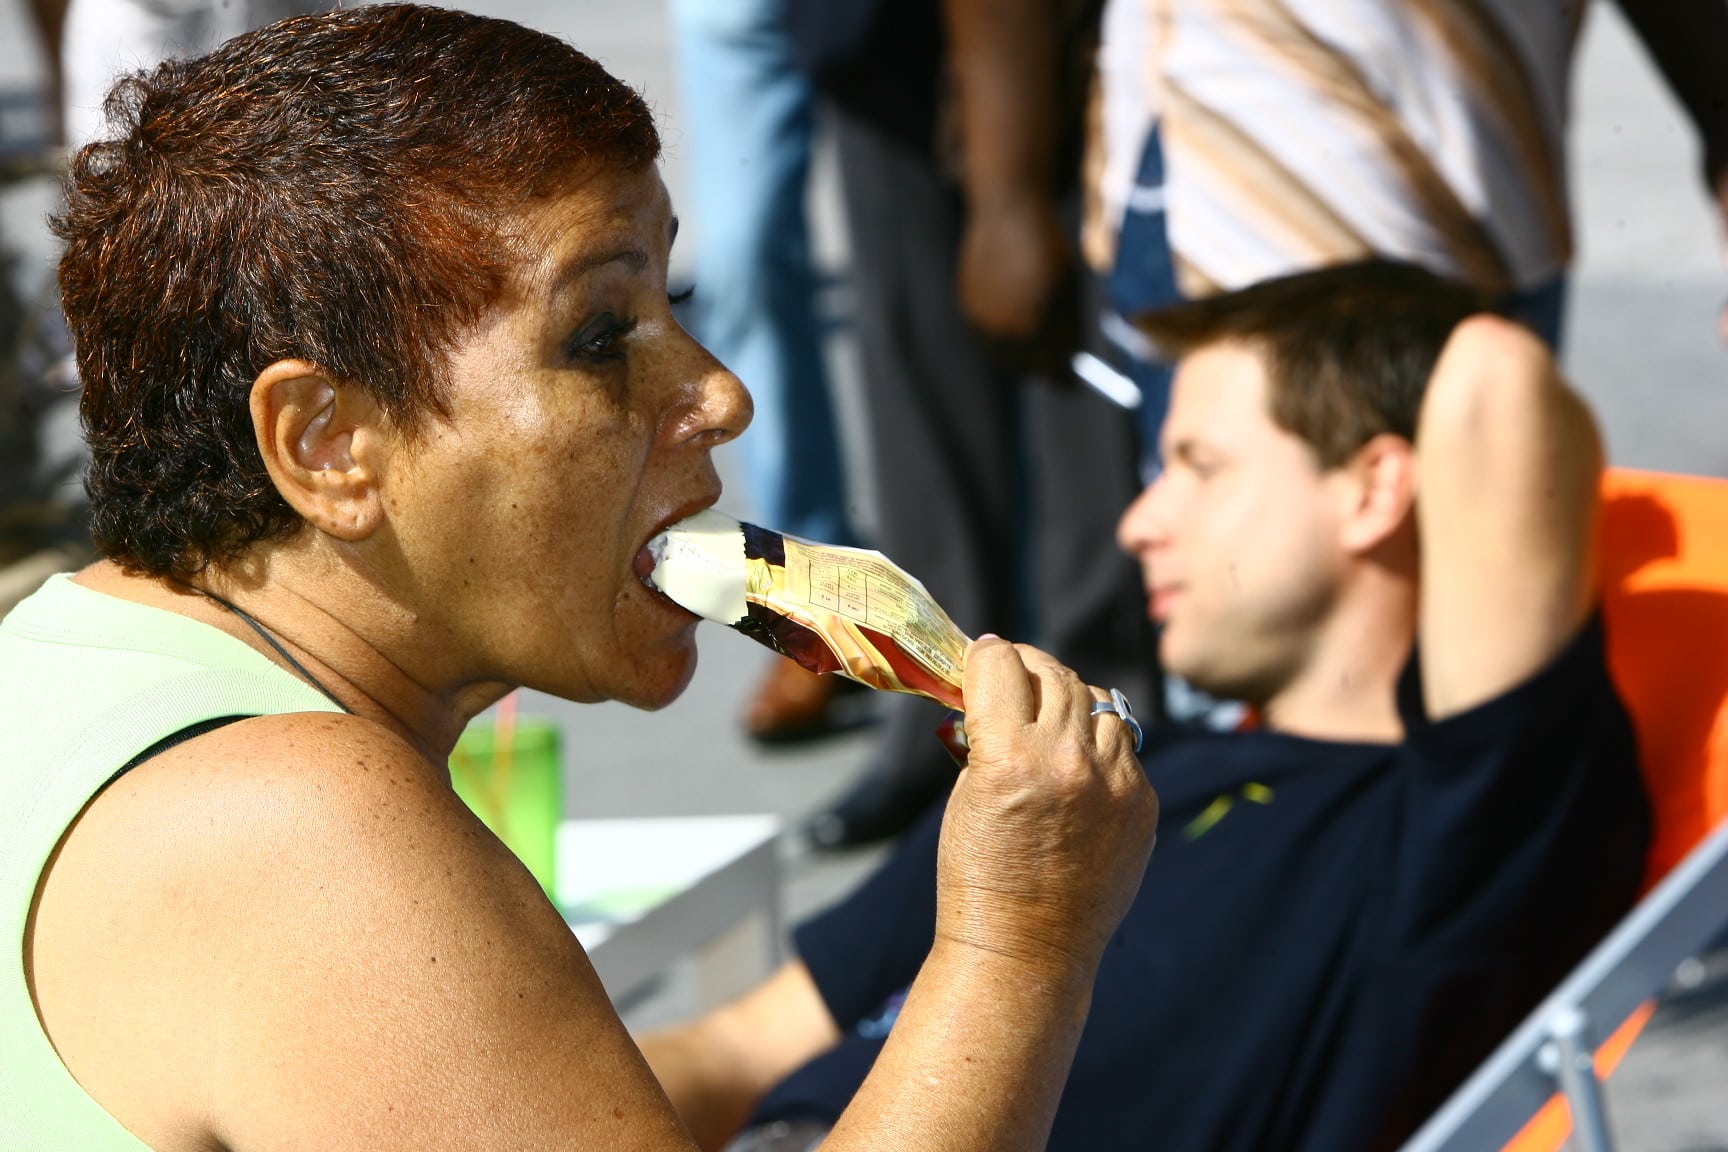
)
(1496, 396)
(1489, 369)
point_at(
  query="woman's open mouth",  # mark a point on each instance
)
(643, 568)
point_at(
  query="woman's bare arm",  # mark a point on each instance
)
(341, 957)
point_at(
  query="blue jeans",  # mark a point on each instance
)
(747, 128)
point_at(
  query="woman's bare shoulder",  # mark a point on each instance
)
(300, 790)
(337, 951)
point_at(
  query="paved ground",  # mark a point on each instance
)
(1642, 344)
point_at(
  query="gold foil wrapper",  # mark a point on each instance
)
(854, 612)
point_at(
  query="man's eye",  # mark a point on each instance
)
(1203, 463)
(599, 340)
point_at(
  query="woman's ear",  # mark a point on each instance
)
(1382, 492)
(322, 441)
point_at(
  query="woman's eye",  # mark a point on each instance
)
(600, 340)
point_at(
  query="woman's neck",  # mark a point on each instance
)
(331, 628)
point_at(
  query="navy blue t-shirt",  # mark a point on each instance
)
(1329, 936)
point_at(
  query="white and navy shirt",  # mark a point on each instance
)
(1300, 133)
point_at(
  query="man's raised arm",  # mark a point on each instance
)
(1508, 467)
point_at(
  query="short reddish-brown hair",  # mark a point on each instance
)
(328, 188)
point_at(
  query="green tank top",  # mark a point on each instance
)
(87, 682)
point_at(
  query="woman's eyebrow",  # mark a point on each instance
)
(632, 256)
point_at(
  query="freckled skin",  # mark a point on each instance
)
(553, 470)
(493, 545)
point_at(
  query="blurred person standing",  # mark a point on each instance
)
(41, 507)
(998, 485)
(1250, 139)
(750, 115)
(49, 17)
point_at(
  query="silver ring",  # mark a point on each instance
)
(1118, 705)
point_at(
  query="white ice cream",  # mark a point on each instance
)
(699, 564)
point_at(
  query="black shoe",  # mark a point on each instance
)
(881, 806)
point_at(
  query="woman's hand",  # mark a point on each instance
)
(1052, 821)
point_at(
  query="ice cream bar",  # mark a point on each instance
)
(832, 609)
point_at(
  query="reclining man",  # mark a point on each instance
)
(1375, 526)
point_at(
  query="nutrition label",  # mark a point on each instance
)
(845, 589)
(872, 592)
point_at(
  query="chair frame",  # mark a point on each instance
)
(1553, 1048)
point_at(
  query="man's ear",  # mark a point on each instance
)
(322, 441)
(1381, 492)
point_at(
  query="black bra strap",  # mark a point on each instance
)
(174, 740)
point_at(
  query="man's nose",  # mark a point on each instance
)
(1143, 527)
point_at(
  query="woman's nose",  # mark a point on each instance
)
(719, 407)
(727, 403)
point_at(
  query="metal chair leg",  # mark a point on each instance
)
(1567, 1056)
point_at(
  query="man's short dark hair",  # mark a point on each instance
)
(1348, 349)
(329, 188)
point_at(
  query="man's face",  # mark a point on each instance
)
(1238, 540)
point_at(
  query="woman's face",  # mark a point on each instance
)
(581, 422)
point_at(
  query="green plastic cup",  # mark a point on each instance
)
(516, 789)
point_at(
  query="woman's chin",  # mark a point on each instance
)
(653, 685)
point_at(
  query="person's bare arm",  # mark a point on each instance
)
(336, 953)
(1014, 252)
(1017, 934)
(717, 1067)
(1016, 928)
(340, 956)
(1508, 467)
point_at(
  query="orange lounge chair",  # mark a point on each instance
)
(1664, 556)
